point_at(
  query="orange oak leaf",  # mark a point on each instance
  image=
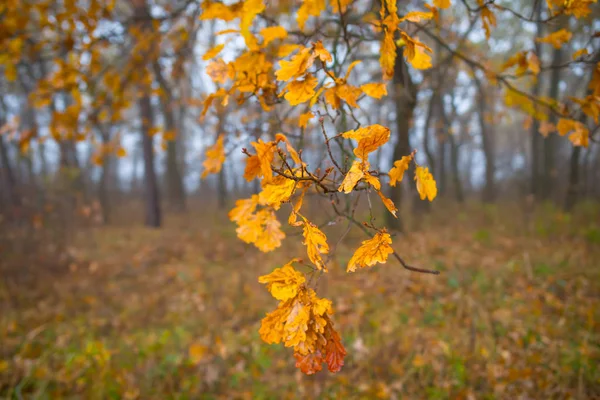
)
(372, 251)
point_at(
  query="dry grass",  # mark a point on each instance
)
(174, 313)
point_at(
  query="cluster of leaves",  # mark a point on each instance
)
(302, 319)
(308, 77)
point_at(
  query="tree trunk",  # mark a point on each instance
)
(103, 197)
(536, 142)
(8, 175)
(487, 139)
(550, 173)
(428, 120)
(573, 187)
(175, 190)
(405, 96)
(151, 195)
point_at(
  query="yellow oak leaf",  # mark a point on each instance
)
(378, 137)
(276, 191)
(216, 10)
(296, 67)
(375, 90)
(271, 235)
(284, 283)
(387, 58)
(218, 71)
(272, 33)
(354, 175)
(250, 228)
(250, 9)
(292, 220)
(298, 92)
(211, 53)
(286, 49)
(265, 153)
(580, 53)
(417, 16)
(252, 169)
(280, 137)
(441, 3)
(372, 180)
(590, 105)
(215, 157)
(372, 251)
(388, 203)
(243, 209)
(415, 52)
(304, 118)
(556, 39)
(349, 94)
(316, 244)
(309, 8)
(580, 134)
(321, 52)
(546, 128)
(296, 324)
(488, 19)
(272, 327)
(426, 185)
(397, 172)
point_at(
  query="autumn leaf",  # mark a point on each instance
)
(292, 219)
(372, 180)
(296, 67)
(354, 175)
(243, 209)
(579, 132)
(415, 52)
(378, 136)
(253, 168)
(280, 137)
(265, 153)
(269, 236)
(417, 16)
(580, 53)
(316, 244)
(298, 92)
(556, 39)
(388, 203)
(310, 363)
(276, 191)
(321, 52)
(488, 19)
(215, 10)
(387, 58)
(304, 118)
(215, 157)
(426, 185)
(546, 128)
(372, 251)
(211, 53)
(272, 33)
(197, 352)
(334, 350)
(397, 172)
(375, 90)
(283, 283)
(309, 8)
(250, 9)
(441, 3)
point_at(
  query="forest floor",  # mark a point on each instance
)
(175, 312)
